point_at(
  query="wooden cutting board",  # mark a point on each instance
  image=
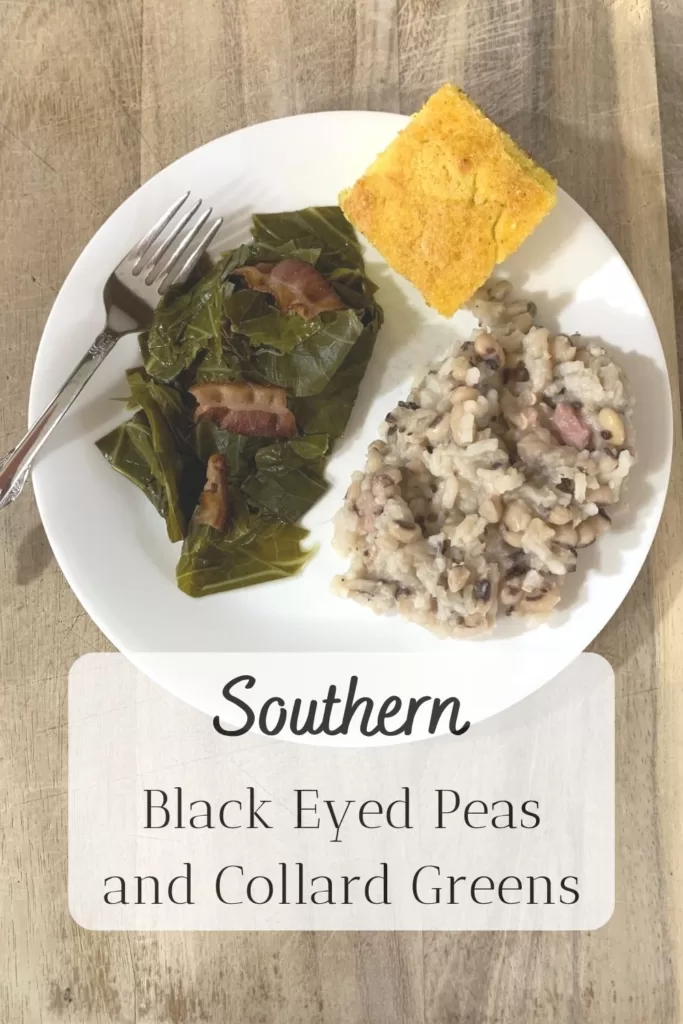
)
(97, 95)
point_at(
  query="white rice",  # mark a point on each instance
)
(473, 503)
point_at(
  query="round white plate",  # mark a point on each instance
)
(112, 546)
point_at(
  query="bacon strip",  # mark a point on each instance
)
(212, 509)
(570, 426)
(255, 409)
(296, 286)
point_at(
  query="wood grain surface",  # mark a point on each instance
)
(96, 96)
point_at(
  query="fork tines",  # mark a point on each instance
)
(174, 268)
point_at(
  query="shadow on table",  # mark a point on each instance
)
(32, 554)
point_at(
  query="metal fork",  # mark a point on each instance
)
(131, 295)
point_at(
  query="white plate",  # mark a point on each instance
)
(112, 546)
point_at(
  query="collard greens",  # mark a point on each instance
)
(217, 330)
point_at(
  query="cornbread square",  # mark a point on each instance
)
(449, 198)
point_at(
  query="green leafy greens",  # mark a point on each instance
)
(289, 477)
(212, 562)
(154, 451)
(216, 329)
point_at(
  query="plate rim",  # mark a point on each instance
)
(137, 658)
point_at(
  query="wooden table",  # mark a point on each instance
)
(97, 95)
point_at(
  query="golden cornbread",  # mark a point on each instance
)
(449, 198)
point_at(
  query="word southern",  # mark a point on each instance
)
(337, 715)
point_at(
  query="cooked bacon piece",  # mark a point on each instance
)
(245, 408)
(212, 509)
(570, 426)
(296, 286)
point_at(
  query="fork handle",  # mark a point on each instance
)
(14, 468)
